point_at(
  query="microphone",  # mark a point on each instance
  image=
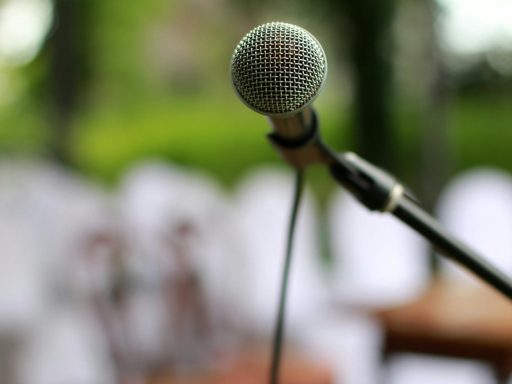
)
(277, 70)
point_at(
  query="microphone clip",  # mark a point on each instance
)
(302, 151)
(372, 186)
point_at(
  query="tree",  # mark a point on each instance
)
(67, 55)
(370, 39)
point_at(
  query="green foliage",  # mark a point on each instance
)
(481, 131)
(213, 136)
(219, 135)
(21, 131)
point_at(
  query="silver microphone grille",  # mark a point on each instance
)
(278, 68)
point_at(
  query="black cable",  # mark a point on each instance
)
(279, 326)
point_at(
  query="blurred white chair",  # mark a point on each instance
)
(413, 369)
(263, 206)
(22, 285)
(377, 260)
(347, 342)
(477, 208)
(68, 347)
(169, 211)
(56, 208)
(22, 294)
(59, 205)
(23, 282)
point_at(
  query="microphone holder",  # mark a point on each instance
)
(379, 191)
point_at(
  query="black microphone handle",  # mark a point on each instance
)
(379, 191)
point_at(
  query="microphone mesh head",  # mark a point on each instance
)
(278, 68)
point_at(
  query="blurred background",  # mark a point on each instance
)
(143, 213)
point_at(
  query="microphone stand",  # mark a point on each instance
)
(379, 191)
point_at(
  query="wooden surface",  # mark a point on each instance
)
(253, 368)
(467, 321)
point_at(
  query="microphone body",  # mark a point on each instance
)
(293, 127)
(277, 70)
